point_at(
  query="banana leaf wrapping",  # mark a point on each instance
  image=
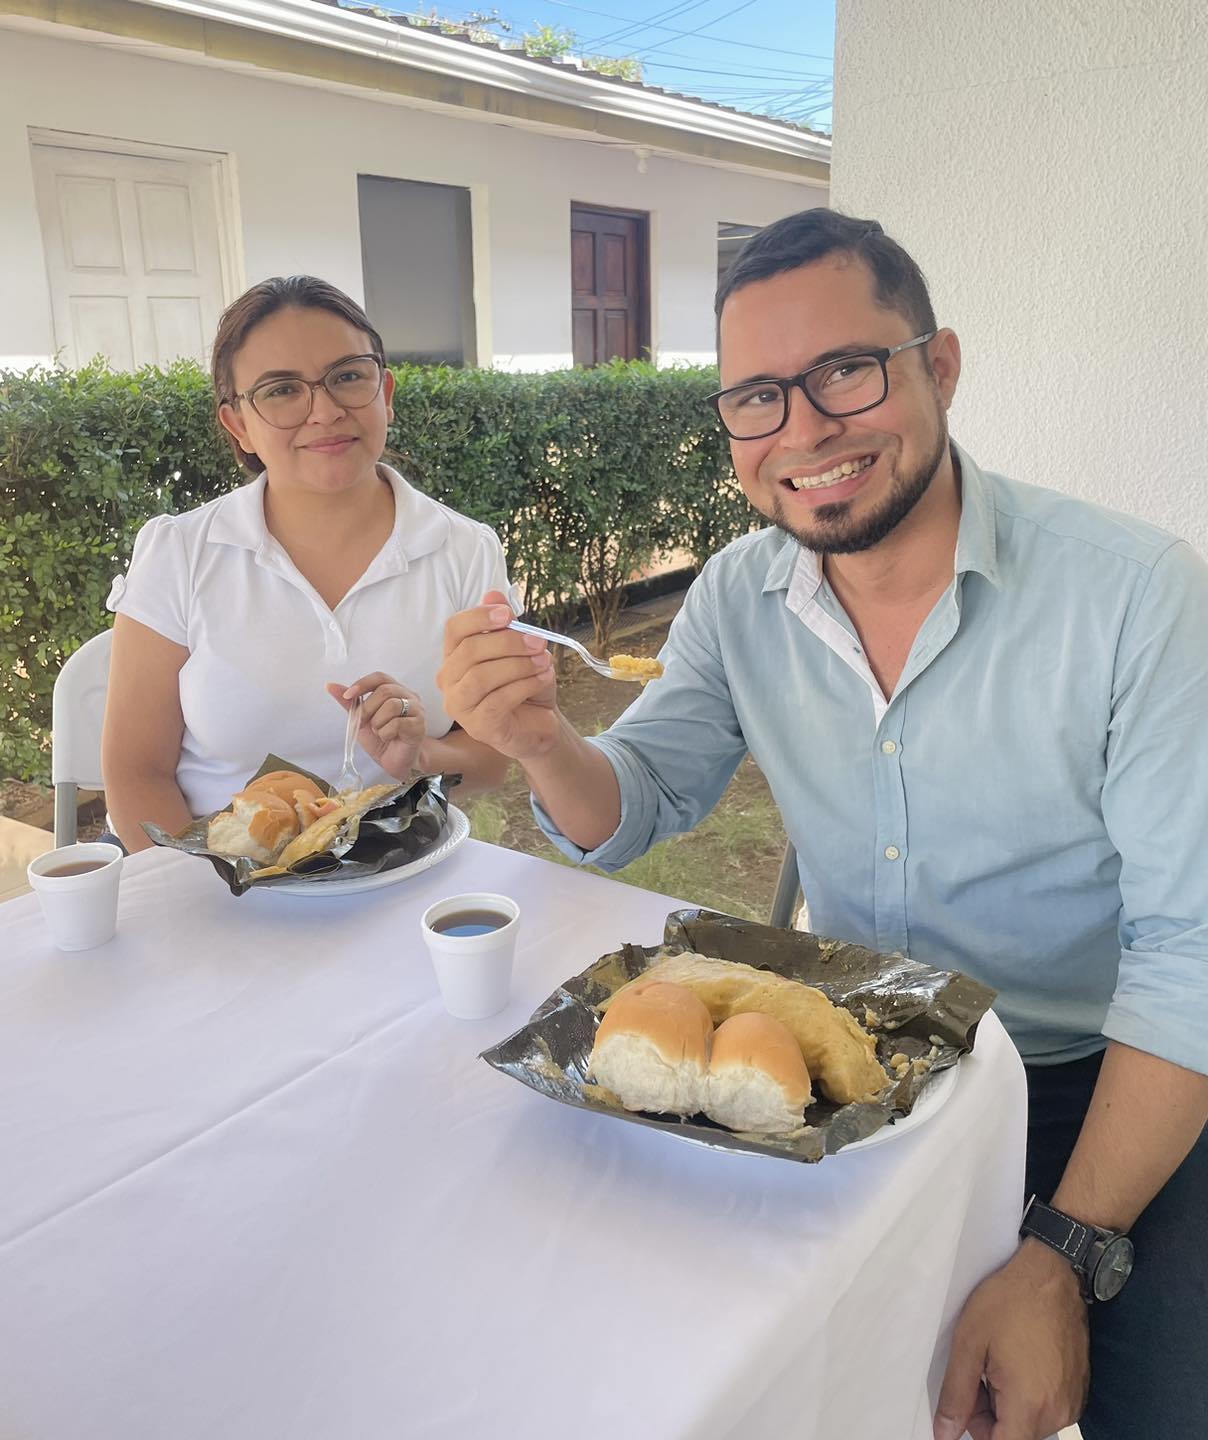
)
(926, 1014)
(398, 827)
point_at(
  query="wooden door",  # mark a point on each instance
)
(609, 315)
(132, 253)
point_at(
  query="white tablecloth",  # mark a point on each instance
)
(255, 1183)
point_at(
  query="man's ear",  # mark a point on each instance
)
(945, 352)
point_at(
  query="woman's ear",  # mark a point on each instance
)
(388, 391)
(232, 422)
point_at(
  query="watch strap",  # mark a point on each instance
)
(1059, 1232)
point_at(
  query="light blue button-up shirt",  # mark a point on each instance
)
(1031, 804)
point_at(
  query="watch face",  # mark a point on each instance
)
(1114, 1267)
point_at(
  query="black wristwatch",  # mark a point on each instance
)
(1102, 1259)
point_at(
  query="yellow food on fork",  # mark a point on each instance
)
(641, 667)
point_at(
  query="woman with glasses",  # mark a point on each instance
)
(244, 625)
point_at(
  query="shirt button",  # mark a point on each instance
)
(892, 852)
(889, 746)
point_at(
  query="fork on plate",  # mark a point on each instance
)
(601, 667)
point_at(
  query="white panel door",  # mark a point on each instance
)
(132, 252)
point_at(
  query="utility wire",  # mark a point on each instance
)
(650, 49)
(715, 39)
(636, 27)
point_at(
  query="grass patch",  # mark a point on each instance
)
(728, 863)
(488, 817)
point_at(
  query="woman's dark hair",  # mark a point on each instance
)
(811, 234)
(282, 292)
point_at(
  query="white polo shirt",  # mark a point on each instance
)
(262, 643)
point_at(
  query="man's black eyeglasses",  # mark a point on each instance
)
(836, 388)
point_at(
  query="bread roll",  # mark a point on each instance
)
(285, 784)
(652, 1050)
(839, 1056)
(257, 825)
(304, 795)
(757, 1079)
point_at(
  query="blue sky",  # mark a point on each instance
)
(766, 56)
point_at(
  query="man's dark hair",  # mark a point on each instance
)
(811, 234)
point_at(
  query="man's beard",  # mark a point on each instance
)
(829, 534)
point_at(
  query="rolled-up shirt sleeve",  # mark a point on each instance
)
(155, 588)
(676, 747)
(1155, 805)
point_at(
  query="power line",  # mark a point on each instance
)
(682, 55)
(751, 97)
(746, 5)
(608, 15)
(789, 76)
(777, 102)
(583, 45)
(636, 27)
(767, 89)
(751, 74)
(714, 39)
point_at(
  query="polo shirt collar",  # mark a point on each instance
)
(240, 517)
(421, 525)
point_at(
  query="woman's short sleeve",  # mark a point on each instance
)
(489, 571)
(155, 588)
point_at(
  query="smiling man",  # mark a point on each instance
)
(980, 706)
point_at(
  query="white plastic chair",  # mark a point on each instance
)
(77, 714)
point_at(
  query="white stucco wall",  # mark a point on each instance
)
(296, 151)
(1044, 163)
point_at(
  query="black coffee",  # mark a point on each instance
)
(471, 922)
(76, 867)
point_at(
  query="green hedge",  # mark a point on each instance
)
(585, 474)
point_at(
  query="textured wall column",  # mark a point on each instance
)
(1046, 164)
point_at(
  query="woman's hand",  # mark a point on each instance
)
(393, 725)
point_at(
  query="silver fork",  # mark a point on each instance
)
(601, 667)
(350, 776)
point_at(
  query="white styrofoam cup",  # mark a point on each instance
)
(80, 910)
(474, 972)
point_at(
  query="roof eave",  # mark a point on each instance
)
(313, 22)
